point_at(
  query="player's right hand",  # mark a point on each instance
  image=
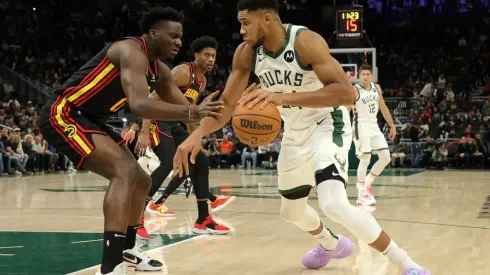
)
(191, 145)
(209, 107)
(129, 136)
(142, 144)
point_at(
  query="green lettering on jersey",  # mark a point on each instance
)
(279, 77)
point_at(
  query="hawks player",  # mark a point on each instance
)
(368, 137)
(165, 136)
(73, 121)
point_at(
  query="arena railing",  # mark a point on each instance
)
(26, 88)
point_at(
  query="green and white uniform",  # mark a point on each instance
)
(369, 137)
(314, 138)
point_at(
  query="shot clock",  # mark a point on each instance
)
(349, 24)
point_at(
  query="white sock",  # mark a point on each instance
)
(327, 239)
(398, 256)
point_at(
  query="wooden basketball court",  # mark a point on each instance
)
(52, 224)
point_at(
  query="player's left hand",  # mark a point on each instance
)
(191, 145)
(392, 133)
(142, 144)
(253, 96)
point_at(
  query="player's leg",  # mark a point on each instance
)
(100, 154)
(331, 179)
(295, 210)
(178, 133)
(363, 195)
(132, 255)
(199, 175)
(165, 152)
(202, 168)
(379, 146)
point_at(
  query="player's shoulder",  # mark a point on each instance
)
(181, 74)
(310, 46)
(127, 50)
(243, 56)
(307, 37)
(183, 69)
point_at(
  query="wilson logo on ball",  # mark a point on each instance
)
(253, 124)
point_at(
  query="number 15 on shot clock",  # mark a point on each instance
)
(349, 24)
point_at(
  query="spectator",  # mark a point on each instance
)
(27, 148)
(226, 149)
(476, 154)
(249, 152)
(429, 148)
(8, 89)
(270, 158)
(16, 146)
(212, 151)
(439, 156)
(5, 168)
(398, 153)
(38, 150)
(463, 154)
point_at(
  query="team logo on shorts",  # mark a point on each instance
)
(152, 128)
(71, 130)
(340, 158)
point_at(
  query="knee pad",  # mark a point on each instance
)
(297, 194)
(329, 173)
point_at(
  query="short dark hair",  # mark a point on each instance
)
(203, 42)
(253, 5)
(366, 67)
(157, 15)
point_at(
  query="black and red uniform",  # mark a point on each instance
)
(175, 129)
(80, 108)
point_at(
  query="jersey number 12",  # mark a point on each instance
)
(372, 108)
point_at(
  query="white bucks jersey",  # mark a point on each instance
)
(366, 106)
(283, 72)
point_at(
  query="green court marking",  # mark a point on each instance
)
(53, 253)
(352, 172)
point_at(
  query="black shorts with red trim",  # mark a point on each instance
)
(169, 129)
(70, 132)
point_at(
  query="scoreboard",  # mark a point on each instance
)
(349, 24)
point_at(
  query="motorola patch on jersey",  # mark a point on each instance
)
(289, 56)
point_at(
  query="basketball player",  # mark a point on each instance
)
(165, 136)
(298, 74)
(74, 123)
(368, 137)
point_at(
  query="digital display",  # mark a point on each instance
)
(349, 24)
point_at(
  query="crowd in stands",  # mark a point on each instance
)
(230, 152)
(430, 77)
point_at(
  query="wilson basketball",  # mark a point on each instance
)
(256, 127)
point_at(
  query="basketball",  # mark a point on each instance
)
(256, 127)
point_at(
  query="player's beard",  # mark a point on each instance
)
(260, 37)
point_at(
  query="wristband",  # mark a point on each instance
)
(191, 112)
